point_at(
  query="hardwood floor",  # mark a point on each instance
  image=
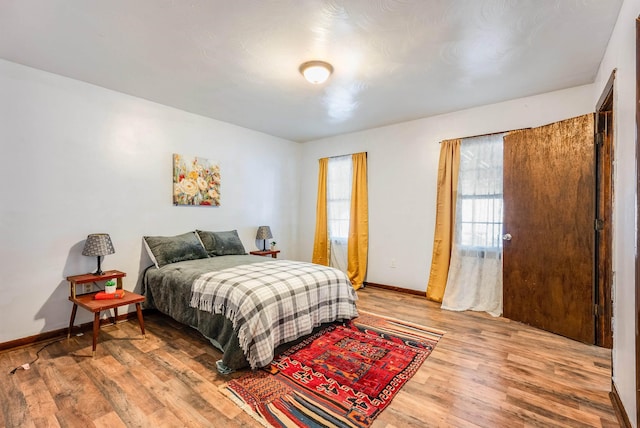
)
(485, 372)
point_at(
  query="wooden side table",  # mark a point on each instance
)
(88, 302)
(272, 253)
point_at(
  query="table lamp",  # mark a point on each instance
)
(264, 233)
(98, 245)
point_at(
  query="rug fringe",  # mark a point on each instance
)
(403, 322)
(243, 405)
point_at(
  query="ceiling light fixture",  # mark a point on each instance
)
(316, 72)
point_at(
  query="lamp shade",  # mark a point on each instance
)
(98, 244)
(264, 232)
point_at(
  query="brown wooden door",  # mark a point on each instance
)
(549, 213)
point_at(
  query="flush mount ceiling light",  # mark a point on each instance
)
(316, 72)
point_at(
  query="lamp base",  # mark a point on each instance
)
(99, 270)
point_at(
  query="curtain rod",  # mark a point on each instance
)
(347, 154)
(486, 135)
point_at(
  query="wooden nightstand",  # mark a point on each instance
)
(272, 253)
(88, 302)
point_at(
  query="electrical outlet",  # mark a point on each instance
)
(393, 263)
(88, 288)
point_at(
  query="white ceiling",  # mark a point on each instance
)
(237, 60)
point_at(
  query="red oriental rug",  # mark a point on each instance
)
(342, 376)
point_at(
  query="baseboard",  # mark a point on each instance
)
(54, 334)
(618, 408)
(398, 289)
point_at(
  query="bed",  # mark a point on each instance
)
(245, 305)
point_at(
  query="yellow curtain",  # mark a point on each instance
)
(445, 218)
(358, 242)
(321, 241)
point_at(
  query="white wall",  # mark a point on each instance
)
(79, 159)
(402, 168)
(621, 55)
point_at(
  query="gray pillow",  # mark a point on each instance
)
(221, 243)
(165, 250)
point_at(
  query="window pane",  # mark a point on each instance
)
(480, 207)
(339, 176)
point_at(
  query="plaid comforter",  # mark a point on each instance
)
(274, 302)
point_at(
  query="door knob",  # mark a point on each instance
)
(506, 237)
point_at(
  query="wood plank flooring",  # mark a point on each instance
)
(485, 372)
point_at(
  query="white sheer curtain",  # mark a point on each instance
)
(475, 272)
(339, 178)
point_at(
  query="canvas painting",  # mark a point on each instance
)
(196, 181)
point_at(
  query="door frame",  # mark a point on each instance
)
(638, 224)
(603, 230)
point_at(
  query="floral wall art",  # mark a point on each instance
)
(196, 181)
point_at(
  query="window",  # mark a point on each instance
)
(342, 224)
(339, 177)
(479, 208)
